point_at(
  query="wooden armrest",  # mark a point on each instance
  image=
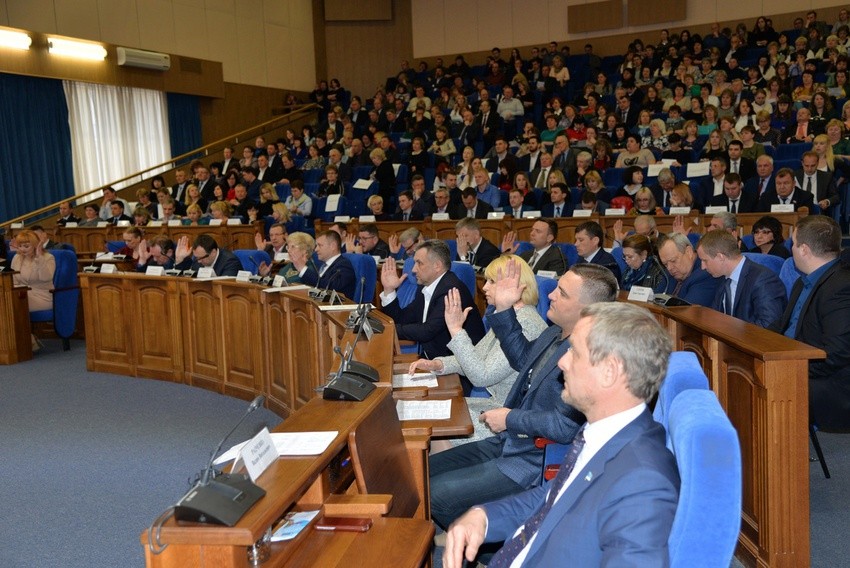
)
(407, 358)
(375, 505)
(65, 289)
(416, 442)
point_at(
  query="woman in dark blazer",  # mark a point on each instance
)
(383, 173)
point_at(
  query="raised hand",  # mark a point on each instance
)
(679, 225)
(144, 252)
(462, 247)
(298, 258)
(619, 233)
(508, 243)
(390, 279)
(425, 365)
(350, 244)
(394, 243)
(455, 314)
(507, 289)
(260, 242)
(182, 252)
(263, 269)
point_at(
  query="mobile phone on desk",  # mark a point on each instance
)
(348, 524)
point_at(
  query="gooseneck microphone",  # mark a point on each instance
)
(208, 474)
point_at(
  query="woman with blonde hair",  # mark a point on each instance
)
(280, 213)
(220, 210)
(835, 134)
(681, 196)
(645, 203)
(484, 363)
(195, 216)
(268, 197)
(35, 269)
(193, 197)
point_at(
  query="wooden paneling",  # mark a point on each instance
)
(645, 12)
(280, 391)
(354, 10)
(160, 351)
(15, 344)
(595, 16)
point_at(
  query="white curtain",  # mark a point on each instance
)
(115, 132)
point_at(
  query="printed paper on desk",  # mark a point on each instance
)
(21, 225)
(155, 224)
(367, 218)
(697, 169)
(206, 272)
(498, 215)
(424, 409)
(582, 212)
(123, 224)
(258, 454)
(667, 162)
(680, 211)
(428, 380)
(342, 219)
(107, 268)
(231, 221)
(332, 203)
(641, 294)
(71, 225)
(100, 224)
(215, 222)
(530, 214)
(714, 210)
(782, 208)
(178, 222)
(440, 217)
(362, 184)
(155, 271)
(614, 211)
(243, 276)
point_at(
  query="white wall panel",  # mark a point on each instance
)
(157, 28)
(77, 18)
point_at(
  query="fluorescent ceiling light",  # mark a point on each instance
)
(79, 49)
(15, 40)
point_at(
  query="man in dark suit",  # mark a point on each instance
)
(589, 238)
(359, 117)
(516, 204)
(228, 162)
(712, 186)
(178, 190)
(626, 112)
(563, 158)
(546, 256)
(689, 281)
(800, 131)
(744, 167)
(539, 176)
(252, 184)
(469, 130)
(335, 272)
(785, 193)
(763, 181)
(490, 124)
(265, 174)
(509, 462)
(472, 206)
(66, 215)
(289, 171)
(750, 291)
(820, 185)
(407, 209)
(204, 253)
(661, 189)
(818, 313)
(423, 320)
(561, 205)
(620, 507)
(116, 208)
(529, 161)
(369, 242)
(734, 199)
(472, 247)
(205, 184)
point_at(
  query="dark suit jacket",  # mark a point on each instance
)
(751, 186)
(552, 260)
(175, 188)
(747, 202)
(548, 210)
(487, 253)
(621, 514)
(759, 298)
(537, 410)
(789, 134)
(340, 277)
(416, 214)
(524, 163)
(532, 177)
(825, 323)
(825, 186)
(508, 210)
(604, 258)
(746, 169)
(481, 211)
(385, 176)
(468, 135)
(123, 217)
(698, 288)
(432, 334)
(799, 198)
(61, 221)
(225, 265)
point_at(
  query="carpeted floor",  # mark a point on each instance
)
(89, 460)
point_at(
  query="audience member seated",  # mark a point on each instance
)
(734, 199)
(376, 208)
(34, 268)
(750, 291)
(116, 209)
(204, 253)
(589, 239)
(819, 184)
(133, 239)
(160, 252)
(423, 320)
(332, 184)
(383, 173)
(472, 247)
(300, 247)
(485, 191)
(298, 203)
(106, 211)
(615, 366)
(471, 207)
(169, 208)
(785, 193)
(66, 214)
(509, 462)
(484, 363)
(275, 247)
(690, 281)
(91, 213)
(768, 239)
(642, 266)
(335, 272)
(561, 205)
(545, 255)
(368, 242)
(404, 245)
(408, 210)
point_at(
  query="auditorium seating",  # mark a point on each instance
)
(774, 263)
(364, 270)
(251, 259)
(66, 295)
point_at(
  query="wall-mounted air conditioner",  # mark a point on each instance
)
(128, 57)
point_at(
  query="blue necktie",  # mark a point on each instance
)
(727, 296)
(513, 547)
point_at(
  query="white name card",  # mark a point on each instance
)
(21, 225)
(215, 222)
(498, 215)
(531, 215)
(782, 208)
(548, 274)
(243, 276)
(332, 203)
(281, 256)
(231, 221)
(615, 211)
(714, 210)
(654, 169)
(362, 184)
(641, 294)
(70, 225)
(697, 169)
(206, 272)
(367, 218)
(680, 211)
(155, 271)
(258, 454)
(440, 217)
(123, 224)
(342, 219)
(279, 281)
(581, 213)
(177, 222)
(100, 224)
(155, 224)
(107, 268)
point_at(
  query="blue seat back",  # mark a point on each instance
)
(683, 373)
(708, 454)
(570, 253)
(466, 274)
(523, 246)
(452, 244)
(407, 291)
(748, 241)
(114, 246)
(367, 275)
(544, 288)
(617, 253)
(66, 294)
(251, 259)
(773, 262)
(789, 274)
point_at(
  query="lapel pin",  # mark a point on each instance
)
(589, 476)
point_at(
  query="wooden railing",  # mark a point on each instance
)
(213, 150)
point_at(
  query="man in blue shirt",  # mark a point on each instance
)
(818, 313)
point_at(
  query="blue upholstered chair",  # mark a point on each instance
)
(544, 288)
(114, 246)
(789, 274)
(570, 253)
(708, 453)
(364, 268)
(523, 246)
(683, 373)
(773, 262)
(251, 259)
(407, 291)
(617, 253)
(66, 295)
(466, 274)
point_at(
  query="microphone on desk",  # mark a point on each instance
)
(220, 498)
(322, 293)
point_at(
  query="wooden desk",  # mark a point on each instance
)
(460, 424)
(15, 329)
(761, 380)
(93, 239)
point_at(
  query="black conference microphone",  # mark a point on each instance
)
(224, 498)
(320, 294)
(356, 316)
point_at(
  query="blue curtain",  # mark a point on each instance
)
(35, 160)
(184, 123)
